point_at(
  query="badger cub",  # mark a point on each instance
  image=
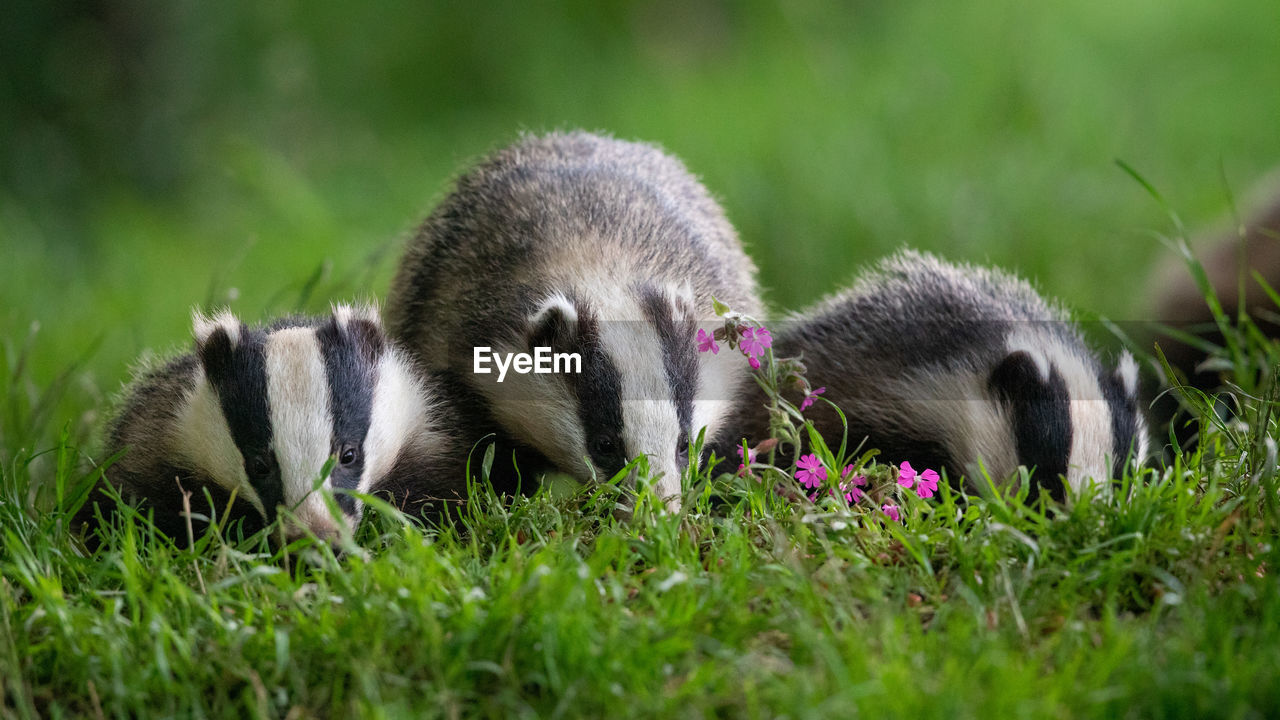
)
(956, 367)
(592, 247)
(257, 412)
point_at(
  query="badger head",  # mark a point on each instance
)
(270, 408)
(1070, 420)
(635, 392)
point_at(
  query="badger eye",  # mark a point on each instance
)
(682, 449)
(258, 466)
(347, 456)
(604, 446)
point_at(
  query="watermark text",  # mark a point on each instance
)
(540, 362)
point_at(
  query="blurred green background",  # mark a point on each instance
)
(161, 155)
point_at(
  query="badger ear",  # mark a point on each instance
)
(346, 313)
(216, 340)
(359, 325)
(1127, 374)
(1018, 373)
(206, 327)
(554, 324)
(683, 303)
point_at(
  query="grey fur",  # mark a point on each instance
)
(578, 216)
(912, 354)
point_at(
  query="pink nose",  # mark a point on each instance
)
(323, 528)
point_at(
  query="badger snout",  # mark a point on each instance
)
(666, 473)
(313, 518)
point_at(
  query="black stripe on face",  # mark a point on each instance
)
(351, 355)
(599, 391)
(239, 377)
(1040, 411)
(679, 355)
(1124, 421)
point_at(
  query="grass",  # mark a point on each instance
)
(1156, 600)
(1160, 605)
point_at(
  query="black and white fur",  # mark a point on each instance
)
(962, 368)
(259, 411)
(592, 245)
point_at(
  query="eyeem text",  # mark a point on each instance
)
(541, 361)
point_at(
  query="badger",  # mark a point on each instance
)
(606, 250)
(963, 368)
(1176, 300)
(253, 415)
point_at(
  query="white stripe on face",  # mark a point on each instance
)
(301, 422)
(399, 413)
(204, 440)
(1128, 372)
(650, 423)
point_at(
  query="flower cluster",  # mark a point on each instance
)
(811, 474)
(752, 340)
(783, 377)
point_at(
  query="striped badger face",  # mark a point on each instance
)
(269, 408)
(1071, 419)
(635, 394)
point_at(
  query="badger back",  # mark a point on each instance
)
(554, 211)
(257, 413)
(584, 244)
(962, 368)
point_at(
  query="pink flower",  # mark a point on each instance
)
(892, 511)
(810, 398)
(811, 473)
(764, 338)
(707, 342)
(846, 491)
(753, 344)
(926, 483)
(751, 457)
(906, 475)
(851, 493)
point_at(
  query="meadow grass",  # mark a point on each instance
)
(1156, 599)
